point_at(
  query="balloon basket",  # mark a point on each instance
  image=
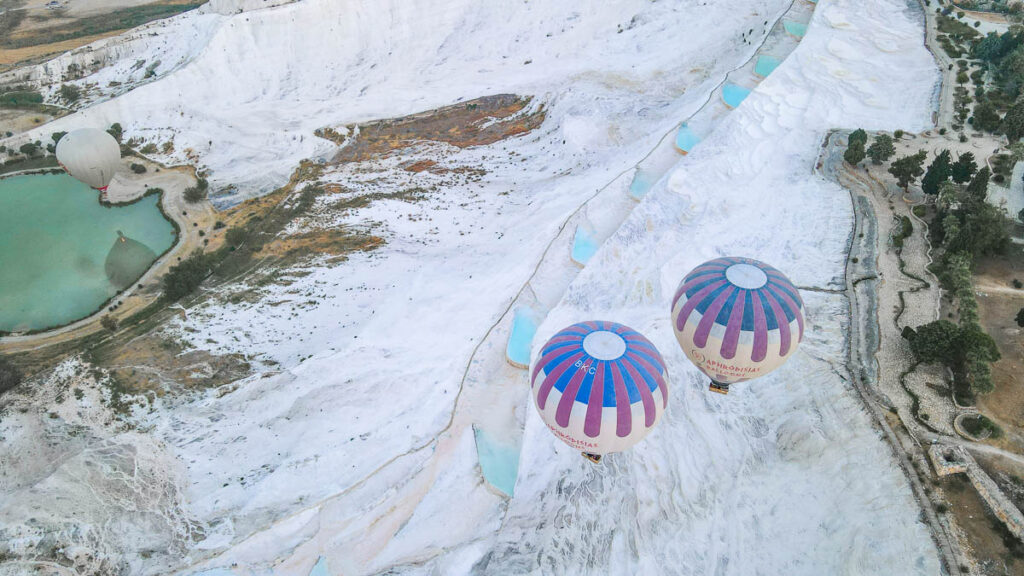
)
(595, 458)
(719, 387)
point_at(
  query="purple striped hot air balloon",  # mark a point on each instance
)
(600, 387)
(737, 319)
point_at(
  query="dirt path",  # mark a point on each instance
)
(873, 377)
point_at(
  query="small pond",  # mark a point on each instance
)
(63, 254)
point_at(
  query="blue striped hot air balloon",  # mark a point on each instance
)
(600, 387)
(737, 319)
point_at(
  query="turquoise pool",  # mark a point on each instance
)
(686, 139)
(520, 339)
(584, 245)
(499, 462)
(797, 29)
(734, 95)
(63, 254)
(641, 184)
(766, 65)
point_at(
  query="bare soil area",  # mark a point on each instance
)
(998, 304)
(476, 122)
(980, 529)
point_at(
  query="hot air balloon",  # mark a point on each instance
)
(737, 319)
(600, 387)
(89, 155)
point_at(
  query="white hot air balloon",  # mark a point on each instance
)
(89, 155)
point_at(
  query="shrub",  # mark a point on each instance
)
(234, 237)
(138, 168)
(1017, 284)
(148, 148)
(195, 194)
(898, 134)
(109, 323)
(977, 425)
(116, 131)
(70, 93)
(942, 131)
(198, 192)
(1020, 318)
(19, 98)
(854, 153)
(10, 376)
(906, 228)
(920, 211)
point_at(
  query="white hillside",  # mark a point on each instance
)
(355, 443)
(250, 97)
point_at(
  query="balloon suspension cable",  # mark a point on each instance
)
(595, 458)
(719, 387)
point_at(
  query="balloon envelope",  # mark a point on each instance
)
(737, 318)
(599, 386)
(90, 155)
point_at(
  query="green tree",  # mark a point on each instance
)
(56, 136)
(978, 188)
(854, 152)
(183, 279)
(975, 345)
(1013, 122)
(989, 48)
(29, 148)
(907, 169)
(1020, 317)
(935, 341)
(938, 172)
(858, 135)
(986, 116)
(881, 149)
(964, 168)
(1011, 72)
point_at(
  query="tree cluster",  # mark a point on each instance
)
(184, 278)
